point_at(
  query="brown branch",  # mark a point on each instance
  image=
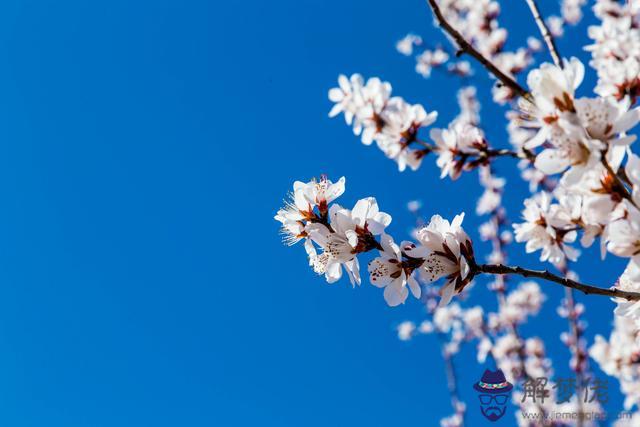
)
(564, 281)
(466, 47)
(546, 34)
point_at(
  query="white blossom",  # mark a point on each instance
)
(555, 25)
(430, 59)
(319, 193)
(552, 89)
(572, 11)
(454, 145)
(392, 123)
(406, 330)
(406, 44)
(616, 49)
(546, 228)
(448, 249)
(302, 201)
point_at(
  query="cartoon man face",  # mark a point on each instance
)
(493, 406)
(493, 391)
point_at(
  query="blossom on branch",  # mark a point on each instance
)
(334, 237)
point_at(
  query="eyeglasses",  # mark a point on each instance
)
(500, 399)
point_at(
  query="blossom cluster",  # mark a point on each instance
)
(619, 357)
(395, 125)
(334, 237)
(376, 116)
(585, 140)
(616, 48)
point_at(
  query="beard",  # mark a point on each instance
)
(493, 413)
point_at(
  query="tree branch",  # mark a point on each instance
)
(546, 34)
(466, 47)
(546, 275)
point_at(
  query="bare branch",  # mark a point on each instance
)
(546, 34)
(466, 47)
(546, 275)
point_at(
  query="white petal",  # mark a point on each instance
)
(627, 121)
(578, 72)
(353, 270)
(446, 294)
(414, 286)
(551, 161)
(364, 209)
(379, 223)
(336, 95)
(334, 272)
(335, 110)
(395, 294)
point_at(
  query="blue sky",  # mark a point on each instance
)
(145, 149)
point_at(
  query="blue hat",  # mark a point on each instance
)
(493, 382)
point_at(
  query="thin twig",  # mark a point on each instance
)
(546, 34)
(466, 47)
(564, 281)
